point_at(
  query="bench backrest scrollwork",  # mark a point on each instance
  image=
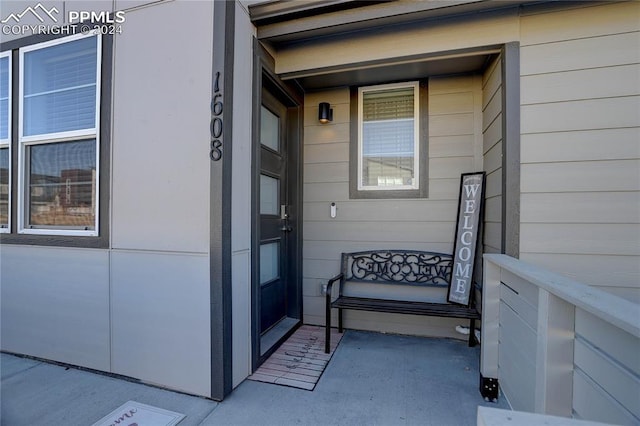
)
(406, 267)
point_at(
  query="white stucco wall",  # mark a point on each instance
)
(160, 195)
(54, 304)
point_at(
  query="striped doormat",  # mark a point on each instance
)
(300, 361)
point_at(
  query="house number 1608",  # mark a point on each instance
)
(216, 121)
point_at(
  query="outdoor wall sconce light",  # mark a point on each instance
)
(325, 112)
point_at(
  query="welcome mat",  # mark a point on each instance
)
(133, 413)
(300, 361)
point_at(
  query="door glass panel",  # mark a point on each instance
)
(269, 260)
(269, 197)
(269, 129)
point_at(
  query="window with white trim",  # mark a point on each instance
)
(58, 137)
(5, 141)
(388, 152)
(388, 143)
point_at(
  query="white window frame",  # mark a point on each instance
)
(6, 143)
(67, 136)
(416, 135)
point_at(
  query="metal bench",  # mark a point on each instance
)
(406, 270)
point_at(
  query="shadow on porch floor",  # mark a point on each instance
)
(372, 379)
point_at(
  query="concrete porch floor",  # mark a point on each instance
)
(372, 379)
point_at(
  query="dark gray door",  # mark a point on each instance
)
(275, 213)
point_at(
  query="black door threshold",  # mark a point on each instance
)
(270, 340)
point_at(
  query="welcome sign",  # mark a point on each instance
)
(467, 229)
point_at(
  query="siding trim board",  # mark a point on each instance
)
(33, 39)
(261, 60)
(492, 150)
(511, 149)
(276, 12)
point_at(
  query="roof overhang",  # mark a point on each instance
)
(288, 25)
(285, 22)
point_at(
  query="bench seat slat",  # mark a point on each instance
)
(405, 307)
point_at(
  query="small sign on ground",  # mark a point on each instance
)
(134, 413)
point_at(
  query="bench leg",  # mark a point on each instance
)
(327, 331)
(472, 333)
(340, 328)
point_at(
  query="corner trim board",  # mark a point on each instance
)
(511, 149)
(220, 207)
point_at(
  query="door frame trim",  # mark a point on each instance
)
(264, 65)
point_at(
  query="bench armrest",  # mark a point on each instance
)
(327, 336)
(338, 277)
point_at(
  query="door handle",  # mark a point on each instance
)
(285, 219)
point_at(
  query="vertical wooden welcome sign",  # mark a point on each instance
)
(470, 205)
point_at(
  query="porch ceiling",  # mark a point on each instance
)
(401, 69)
(282, 25)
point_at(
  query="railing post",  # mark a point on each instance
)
(490, 330)
(554, 355)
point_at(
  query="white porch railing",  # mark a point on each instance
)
(557, 346)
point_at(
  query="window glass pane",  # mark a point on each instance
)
(269, 259)
(60, 87)
(388, 138)
(269, 200)
(4, 98)
(4, 119)
(62, 184)
(4, 187)
(269, 129)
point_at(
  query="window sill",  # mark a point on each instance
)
(387, 193)
(82, 241)
(59, 232)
